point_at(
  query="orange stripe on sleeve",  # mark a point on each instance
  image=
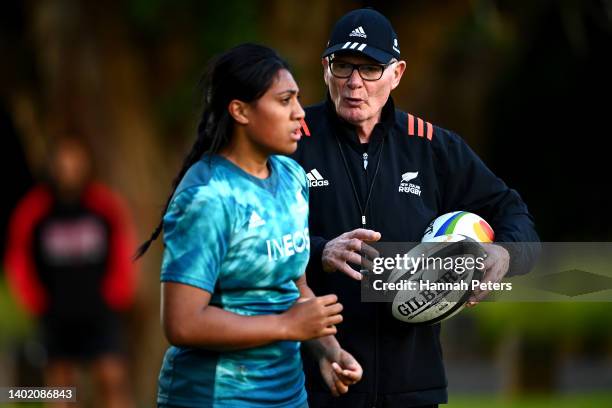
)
(429, 131)
(410, 125)
(305, 127)
(420, 126)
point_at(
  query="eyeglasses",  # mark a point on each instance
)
(367, 72)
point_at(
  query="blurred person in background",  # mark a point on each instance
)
(356, 148)
(68, 263)
(235, 302)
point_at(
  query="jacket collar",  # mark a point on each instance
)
(348, 133)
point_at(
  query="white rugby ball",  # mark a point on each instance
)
(459, 222)
(453, 235)
(438, 291)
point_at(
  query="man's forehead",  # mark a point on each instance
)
(353, 57)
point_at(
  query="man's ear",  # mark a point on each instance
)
(325, 63)
(398, 71)
(239, 111)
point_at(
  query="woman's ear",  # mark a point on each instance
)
(239, 111)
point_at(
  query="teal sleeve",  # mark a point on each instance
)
(196, 236)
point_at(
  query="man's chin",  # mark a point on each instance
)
(353, 116)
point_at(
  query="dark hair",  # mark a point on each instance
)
(245, 73)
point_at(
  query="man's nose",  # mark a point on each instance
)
(354, 81)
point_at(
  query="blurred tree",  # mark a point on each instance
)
(545, 122)
(536, 337)
(546, 114)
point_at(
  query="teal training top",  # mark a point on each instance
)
(245, 240)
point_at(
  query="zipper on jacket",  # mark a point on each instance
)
(362, 209)
(365, 176)
(376, 316)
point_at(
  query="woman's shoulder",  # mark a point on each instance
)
(201, 183)
(202, 176)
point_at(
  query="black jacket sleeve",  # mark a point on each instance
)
(315, 265)
(469, 185)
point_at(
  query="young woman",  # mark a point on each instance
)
(235, 303)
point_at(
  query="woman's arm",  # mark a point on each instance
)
(189, 320)
(339, 368)
(319, 346)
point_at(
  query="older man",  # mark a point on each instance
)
(355, 149)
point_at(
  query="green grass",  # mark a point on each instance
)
(594, 400)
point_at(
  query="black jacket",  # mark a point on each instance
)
(402, 364)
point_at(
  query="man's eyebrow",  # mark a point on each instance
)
(340, 59)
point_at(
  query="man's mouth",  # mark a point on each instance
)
(353, 102)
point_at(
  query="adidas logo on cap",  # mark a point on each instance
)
(315, 179)
(358, 32)
(349, 34)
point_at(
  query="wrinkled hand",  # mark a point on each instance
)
(339, 371)
(349, 247)
(496, 266)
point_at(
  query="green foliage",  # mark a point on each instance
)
(212, 26)
(595, 400)
(201, 29)
(543, 320)
(566, 305)
(14, 323)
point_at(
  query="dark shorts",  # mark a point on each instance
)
(81, 339)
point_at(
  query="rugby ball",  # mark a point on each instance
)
(459, 222)
(441, 289)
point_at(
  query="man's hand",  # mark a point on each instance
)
(349, 247)
(339, 371)
(496, 266)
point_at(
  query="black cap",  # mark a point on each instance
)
(364, 31)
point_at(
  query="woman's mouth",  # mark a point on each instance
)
(296, 134)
